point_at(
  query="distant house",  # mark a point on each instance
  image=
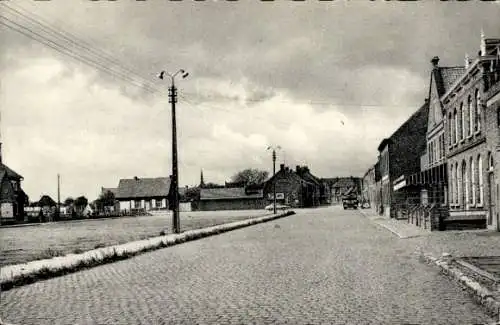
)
(293, 189)
(143, 193)
(340, 186)
(12, 197)
(47, 206)
(231, 198)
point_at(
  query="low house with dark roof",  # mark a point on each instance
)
(231, 198)
(12, 197)
(143, 193)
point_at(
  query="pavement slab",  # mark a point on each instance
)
(320, 266)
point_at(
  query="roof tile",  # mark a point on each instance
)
(228, 193)
(143, 187)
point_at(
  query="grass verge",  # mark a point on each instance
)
(22, 274)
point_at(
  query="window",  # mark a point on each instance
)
(443, 149)
(455, 131)
(456, 183)
(477, 117)
(480, 179)
(465, 170)
(429, 153)
(450, 129)
(473, 181)
(158, 203)
(461, 123)
(471, 115)
(452, 185)
(459, 185)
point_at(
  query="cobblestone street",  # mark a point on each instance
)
(325, 265)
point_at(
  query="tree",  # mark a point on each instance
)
(250, 176)
(105, 199)
(192, 194)
(80, 203)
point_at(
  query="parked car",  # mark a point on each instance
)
(270, 207)
(350, 201)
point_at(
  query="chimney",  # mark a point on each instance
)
(297, 169)
(435, 61)
(282, 166)
(136, 178)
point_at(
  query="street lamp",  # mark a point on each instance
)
(172, 94)
(274, 148)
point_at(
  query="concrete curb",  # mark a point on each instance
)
(392, 230)
(480, 294)
(22, 274)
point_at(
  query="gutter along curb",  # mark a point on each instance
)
(12, 276)
(481, 295)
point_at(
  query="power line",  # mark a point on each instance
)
(29, 33)
(49, 29)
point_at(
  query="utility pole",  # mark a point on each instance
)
(274, 173)
(58, 197)
(172, 95)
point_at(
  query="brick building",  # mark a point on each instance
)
(369, 188)
(472, 138)
(231, 198)
(293, 189)
(399, 157)
(429, 186)
(339, 186)
(12, 197)
(492, 129)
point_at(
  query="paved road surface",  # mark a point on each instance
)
(323, 266)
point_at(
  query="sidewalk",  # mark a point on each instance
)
(400, 228)
(468, 257)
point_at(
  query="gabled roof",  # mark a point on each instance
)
(228, 193)
(46, 200)
(446, 77)
(9, 172)
(143, 188)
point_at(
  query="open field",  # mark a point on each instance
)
(23, 244)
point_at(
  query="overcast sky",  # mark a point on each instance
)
(327, 81)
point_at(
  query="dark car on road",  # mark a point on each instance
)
(350, 201)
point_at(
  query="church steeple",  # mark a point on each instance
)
(202, 181)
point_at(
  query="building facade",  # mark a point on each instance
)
(339, 186)
(292, 189)
(12, 197)
(399, 157)
(230, 198)
(369, 189)
(471, 143)
(143, 194)
(492, 129)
